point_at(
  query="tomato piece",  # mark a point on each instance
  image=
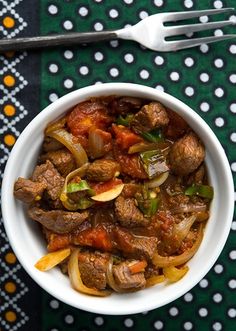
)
(86, 115)
(129, 163)
(105, 186)
(125, 137)
(96, 237)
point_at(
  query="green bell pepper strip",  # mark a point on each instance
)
(124, 120)
(153, 136)
(149, 207)
(75, 187)
(204, 191)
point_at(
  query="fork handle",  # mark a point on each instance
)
(68, 39)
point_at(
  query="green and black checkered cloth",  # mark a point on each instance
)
(204, 78)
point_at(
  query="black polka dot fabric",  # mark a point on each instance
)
(203, 77)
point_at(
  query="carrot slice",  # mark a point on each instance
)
(137, 267)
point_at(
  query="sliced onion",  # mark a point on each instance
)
(174, 274)
(167, 261)
(69, 141)
(96, 144)
(110, 194)
(59, 124)
(188, 208)
(157, 181)
(182, 229)
(50, 260)
(110, 278)
(145, 146)
(153, 280)
(75, 278)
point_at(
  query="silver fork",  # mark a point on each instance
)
(150, 32)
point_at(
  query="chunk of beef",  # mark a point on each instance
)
(125, 279)
(62, 159)
(151, 116)
(186, 154)
(93, 267)
(51, 144)
(130, 190)
(58, 221)
(125, 105)
(128, 213)
(134, 246)
(102, 170)
(47, 174)
(176, 127)
(28, 191)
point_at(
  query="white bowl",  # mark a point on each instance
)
(29, 245)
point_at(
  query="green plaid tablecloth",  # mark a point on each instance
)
(204, 78)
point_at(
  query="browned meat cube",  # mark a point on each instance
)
(128, 213)
(151, 116)
(131, 189)
(125, 105)
(93, 267)
(28, 191)
(125, 279)
(62, 159)
(47, 174)
(51, 144)
(186, 154)
(58, 221)
(102, 170)
(134, 246)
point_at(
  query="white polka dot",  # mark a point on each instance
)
(113, 13)
(83, 11)
(84, 70)
(203, 283)
(143, 14)
(144, 74)
(53, 68)
(232, 49)
(98, 56)
(218, 32)
(217, 297)
(219, 121)
(232, 107)
(232, 254)
(189, 91)
(218, 4)
(189, 61)
(219, 63)
(158, 325)
(158, 3)
(218, 268)
(69, 319)
(188, 326)
(68, 83)
(68, 54)
(160, 88)
(159, 60)
(232, 312)
(233, 137)
(99, 320)
(54, 304)
(219, 92)
(233, 167)
(217, 326)
(53, 97)
(52, 9)
(128, 1)
(129, 58)
(204, 19)
(204, 106)
(233, 226)
(203, 312)
(232, 78)
(68, 25)
(173, 311)
(232, 18)
(174, 76)
(204, 77)
(98, 26)
(204, 48)
(232, 283)
(188, 3)
(114, 72)
(114, 43)
(128, 322)
(188, 297)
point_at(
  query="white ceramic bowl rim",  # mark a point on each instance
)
(29, 249)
